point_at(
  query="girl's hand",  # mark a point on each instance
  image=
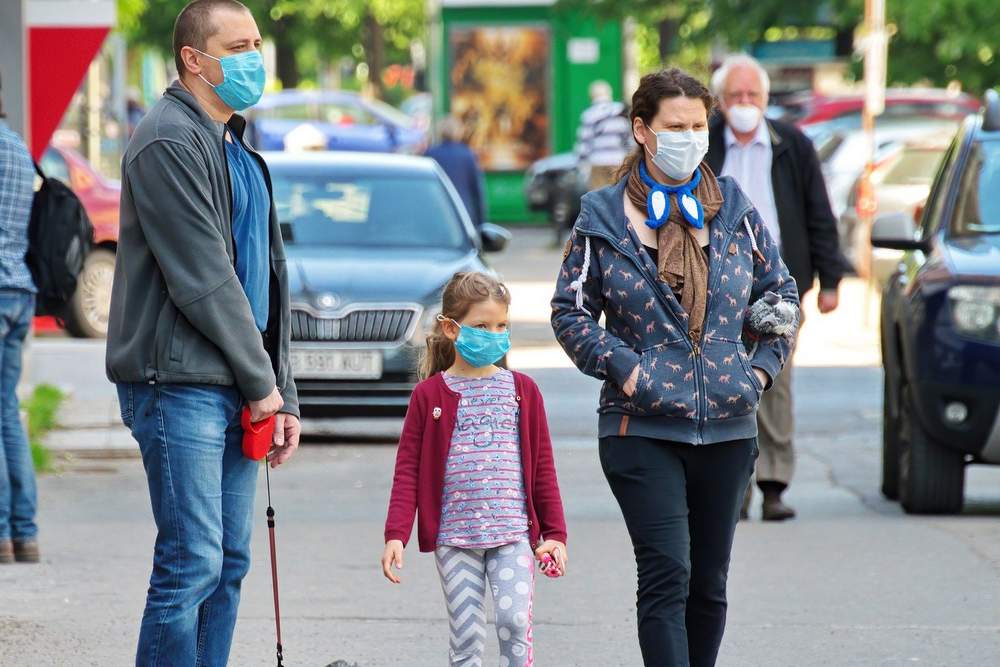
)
(632, 382)
(555, 549)
(762, 376)
(393, 555)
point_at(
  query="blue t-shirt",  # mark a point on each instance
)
(251, 210)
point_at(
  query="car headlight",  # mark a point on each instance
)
(426, 325)
(976, 310)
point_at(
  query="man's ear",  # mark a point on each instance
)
(190, 59)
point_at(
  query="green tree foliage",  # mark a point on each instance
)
(305, 32)
(933, 41)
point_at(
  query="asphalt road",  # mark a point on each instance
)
(852, 581)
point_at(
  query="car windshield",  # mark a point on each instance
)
(914, 166)
(978, 210)
(323, 206)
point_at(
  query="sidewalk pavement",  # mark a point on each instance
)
(89, 425)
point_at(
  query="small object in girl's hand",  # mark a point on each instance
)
(548, 567)
(257, 436)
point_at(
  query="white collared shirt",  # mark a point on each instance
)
(750, 165)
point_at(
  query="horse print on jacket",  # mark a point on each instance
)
(606, 271)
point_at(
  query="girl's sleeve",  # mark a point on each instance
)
(547, 499)
(771, 275)
(576, 309)
(403, 498)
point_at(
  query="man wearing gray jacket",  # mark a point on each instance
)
(199, 327)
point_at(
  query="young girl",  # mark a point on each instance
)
(475, 464)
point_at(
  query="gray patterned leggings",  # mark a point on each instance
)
(511, 574)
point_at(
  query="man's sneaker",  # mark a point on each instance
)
(26, 551)
(6, 552)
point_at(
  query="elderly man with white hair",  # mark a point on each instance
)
(776, 165)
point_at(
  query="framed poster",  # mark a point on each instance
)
(498, 86)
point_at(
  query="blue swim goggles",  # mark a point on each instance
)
(658, 200)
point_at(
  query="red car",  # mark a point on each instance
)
(808, 109)
(88, 313)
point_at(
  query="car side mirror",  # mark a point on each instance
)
(495, 238)
(896, 231)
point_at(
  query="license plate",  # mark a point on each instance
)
(337, 364)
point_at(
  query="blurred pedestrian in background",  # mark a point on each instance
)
(459, 162)
(18, 495)
(604, 136)
(776, 166)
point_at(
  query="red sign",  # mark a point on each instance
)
(63, 38)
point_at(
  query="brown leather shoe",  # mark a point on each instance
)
(6, 552)
(26, 551)
(775, 510)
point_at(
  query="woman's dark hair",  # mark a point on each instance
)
(653, 89)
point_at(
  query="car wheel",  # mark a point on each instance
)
(931, 476)
(87, 316)
(890, 438)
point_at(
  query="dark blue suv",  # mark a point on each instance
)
(941, 327)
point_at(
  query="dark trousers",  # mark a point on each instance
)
(680, 503)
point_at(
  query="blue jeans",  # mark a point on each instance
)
(202, 492)
(18, 495)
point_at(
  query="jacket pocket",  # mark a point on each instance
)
(731, 389)
(177, 339)
(666, 384)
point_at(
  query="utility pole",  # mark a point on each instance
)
(873, 42)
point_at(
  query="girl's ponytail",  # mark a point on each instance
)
(460, 294)
(439, 355)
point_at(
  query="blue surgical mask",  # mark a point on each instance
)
(481, 348)
(243, 79)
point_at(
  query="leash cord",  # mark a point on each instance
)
(274, 563)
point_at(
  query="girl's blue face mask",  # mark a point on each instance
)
(243, 79)
(480, 348)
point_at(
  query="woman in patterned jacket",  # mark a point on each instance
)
(674, 258)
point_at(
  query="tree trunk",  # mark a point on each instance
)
(285, 63)
(375, 53)
(667, 30)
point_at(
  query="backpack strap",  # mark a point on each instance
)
(38, 170)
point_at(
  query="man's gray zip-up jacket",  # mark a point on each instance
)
(693, 391)
(178, 311)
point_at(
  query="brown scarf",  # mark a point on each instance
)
(682, 264)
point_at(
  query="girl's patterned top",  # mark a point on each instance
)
(483, 503)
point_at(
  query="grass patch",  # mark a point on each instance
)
(42, 408)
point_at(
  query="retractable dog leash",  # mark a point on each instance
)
(257, 439)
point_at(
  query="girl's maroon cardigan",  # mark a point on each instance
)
(423, 452)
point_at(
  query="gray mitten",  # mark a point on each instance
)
(772, 316)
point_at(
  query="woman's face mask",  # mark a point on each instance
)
(478, 347)
(678, 154)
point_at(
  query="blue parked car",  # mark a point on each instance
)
(371, 241)
(345, 121)
(941, 327)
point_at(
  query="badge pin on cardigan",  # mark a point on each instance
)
(257, 440)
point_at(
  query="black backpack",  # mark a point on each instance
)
(59, 238)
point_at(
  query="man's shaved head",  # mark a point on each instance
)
(196, 23)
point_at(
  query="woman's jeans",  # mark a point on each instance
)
(202, 492)
(18, 494)
(680, 503)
